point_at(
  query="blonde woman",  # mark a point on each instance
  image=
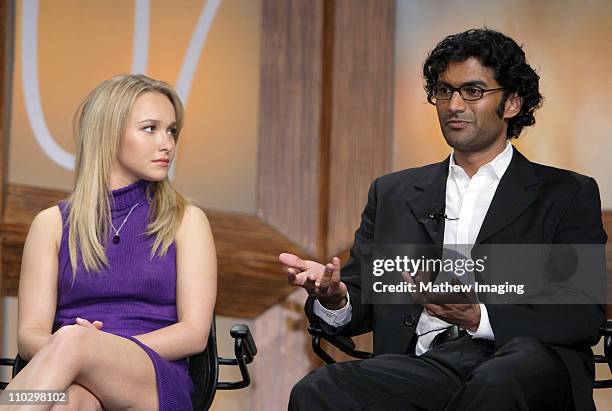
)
(118, 283)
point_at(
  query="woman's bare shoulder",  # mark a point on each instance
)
(194, 220)
(49, 217)
(48, 223)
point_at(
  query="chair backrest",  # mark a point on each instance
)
(204, 371)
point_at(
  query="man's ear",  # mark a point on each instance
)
(513, 105)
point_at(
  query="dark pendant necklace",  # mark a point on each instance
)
(116, 238)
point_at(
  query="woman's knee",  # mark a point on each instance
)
(69, 345)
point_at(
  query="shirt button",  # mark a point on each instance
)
(409, 321)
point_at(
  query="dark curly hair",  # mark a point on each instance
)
(498, 52)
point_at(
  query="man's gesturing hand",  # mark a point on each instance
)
(320, 281)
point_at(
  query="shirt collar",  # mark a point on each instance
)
(498, 165)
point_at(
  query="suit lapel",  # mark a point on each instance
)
(518, 188)
(427, 196)
(431, 198)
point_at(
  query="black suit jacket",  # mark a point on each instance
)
(533, 204)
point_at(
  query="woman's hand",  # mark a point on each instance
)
(97, 325)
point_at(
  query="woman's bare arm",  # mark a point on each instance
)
(38, 282)
(196, 289)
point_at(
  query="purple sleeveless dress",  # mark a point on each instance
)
(133, 295)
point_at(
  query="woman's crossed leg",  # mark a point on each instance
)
(116, 370)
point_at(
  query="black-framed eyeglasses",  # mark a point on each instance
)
(467, 92)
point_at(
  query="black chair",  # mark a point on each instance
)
(203, 367)
(346, 345)
(606, 331)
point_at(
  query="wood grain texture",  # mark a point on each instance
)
(362, 111)
(22, 205)
(315, 167)
(250, 278)
(286, 354)
(290, 119)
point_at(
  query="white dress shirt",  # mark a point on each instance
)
(467, 199)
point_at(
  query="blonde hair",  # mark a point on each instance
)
(99, 123)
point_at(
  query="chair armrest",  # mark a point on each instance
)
(242, 332)
(606, 331)
(344, 344)
(244, 350)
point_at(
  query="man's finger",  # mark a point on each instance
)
(309, 285)
(423, 276)
(417, 297)
(323, 283)
(293, 261)
(433, 309)
(292, 276)
(335, 278)
(296, 277)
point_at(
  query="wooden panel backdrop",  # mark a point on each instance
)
(325, 134)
